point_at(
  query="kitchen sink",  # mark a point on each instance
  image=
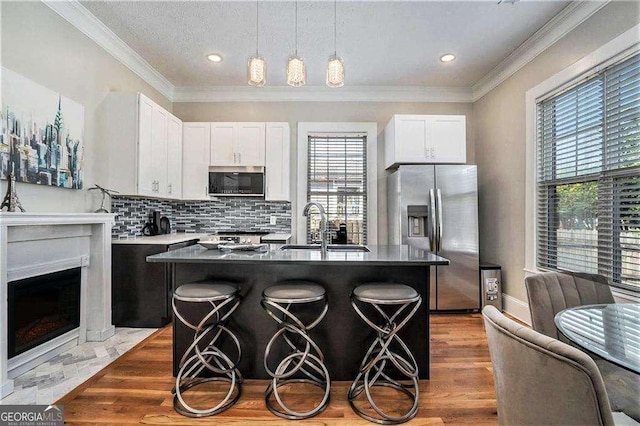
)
(330, 247)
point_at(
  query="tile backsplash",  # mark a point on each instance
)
(230, 214)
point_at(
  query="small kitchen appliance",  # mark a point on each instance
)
(236, 181)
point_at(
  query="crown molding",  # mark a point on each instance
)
(322, 94)
(560, 25)
(78, 16)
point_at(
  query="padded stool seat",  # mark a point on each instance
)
(205, 290)
(295, 292)
(386, 293)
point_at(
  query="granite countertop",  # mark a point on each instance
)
(275, 237)
(378, 255)
(162, 239)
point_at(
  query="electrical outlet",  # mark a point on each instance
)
(273, 220)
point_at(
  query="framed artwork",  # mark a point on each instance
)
(41, 134)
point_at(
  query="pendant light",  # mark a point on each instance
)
(335, 67)
(296, 71)
(257, 66)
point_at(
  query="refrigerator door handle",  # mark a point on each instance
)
(432, 211)
(439, 219)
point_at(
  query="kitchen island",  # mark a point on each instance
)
(342, 335)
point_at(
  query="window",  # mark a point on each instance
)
(588, 177)
(337, 179)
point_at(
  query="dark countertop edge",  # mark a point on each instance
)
(151, 259)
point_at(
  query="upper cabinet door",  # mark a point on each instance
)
(159, 149)
(277, 168)
(411, 133)
(174, 157)
(250, 143)
(146, 178)
(195, 160)
(447, 135)
(223, 136)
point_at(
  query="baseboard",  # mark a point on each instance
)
(516, 308)
(102, 335)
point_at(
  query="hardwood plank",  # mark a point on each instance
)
(136, 388)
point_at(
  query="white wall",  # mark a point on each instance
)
(500, 140)
(45, 48)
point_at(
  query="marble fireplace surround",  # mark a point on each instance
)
(34, 244)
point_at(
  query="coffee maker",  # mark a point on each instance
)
(152, 227)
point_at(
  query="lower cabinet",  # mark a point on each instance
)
(141, 291)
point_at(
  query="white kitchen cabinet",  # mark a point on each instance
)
(237, 144)
(139, 140)
(195, 160)
(425, 139)
(277, 167)
(174, 157)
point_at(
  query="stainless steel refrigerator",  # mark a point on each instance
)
(435, 208)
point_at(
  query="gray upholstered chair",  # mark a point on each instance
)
(543, 381)
(550, 293)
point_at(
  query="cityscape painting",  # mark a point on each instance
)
(41, 134)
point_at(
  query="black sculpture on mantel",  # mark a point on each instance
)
(10, 200)
(105, 192)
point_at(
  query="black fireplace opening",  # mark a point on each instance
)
(41, 308)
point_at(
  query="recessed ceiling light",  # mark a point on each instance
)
(214, 57)
(448, 57)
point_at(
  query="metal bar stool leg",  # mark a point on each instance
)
(204, 352)
(388, 353)
(305, 361)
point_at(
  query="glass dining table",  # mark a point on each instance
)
(611, 331)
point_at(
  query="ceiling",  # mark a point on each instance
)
(391, 44)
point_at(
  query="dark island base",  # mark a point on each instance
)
(342, 335)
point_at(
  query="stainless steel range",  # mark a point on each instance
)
(239, 237)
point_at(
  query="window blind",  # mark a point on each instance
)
(588, 184)
(337, 179)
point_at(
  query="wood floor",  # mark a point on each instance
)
(137, 387)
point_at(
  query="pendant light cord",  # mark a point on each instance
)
(335, 31)
(257, 27)
(296, 27)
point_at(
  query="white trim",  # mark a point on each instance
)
(516, 308)
(322, 94)
(101, 335)
(625, 296)
(371, 130)
(78, 16)
(624, 42)
(20, 219)
(47, 268)
(42, 353)
(560, 25)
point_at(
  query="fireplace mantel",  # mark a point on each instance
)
(36, 243)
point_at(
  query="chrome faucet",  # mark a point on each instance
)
(324, 229)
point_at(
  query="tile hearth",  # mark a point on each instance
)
(53, 379)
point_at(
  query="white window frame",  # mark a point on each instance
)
(625, 44)
(371, 130)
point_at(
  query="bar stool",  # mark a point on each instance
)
(395, 304)
(224, 299)
(305, 362)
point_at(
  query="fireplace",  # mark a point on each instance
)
(41, 308)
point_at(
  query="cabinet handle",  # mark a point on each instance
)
(432, 152)
(235, 157)
(169, 188)
(240, 157)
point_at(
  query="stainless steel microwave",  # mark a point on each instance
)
(236, 181)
